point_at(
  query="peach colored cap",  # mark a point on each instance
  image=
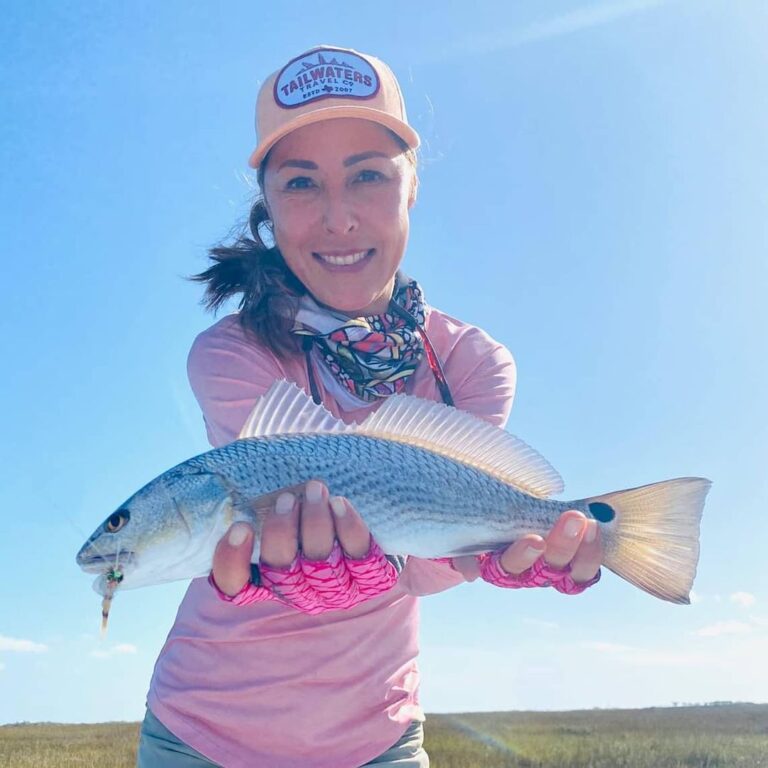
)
(326, 83)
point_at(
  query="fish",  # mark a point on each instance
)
(429, 480)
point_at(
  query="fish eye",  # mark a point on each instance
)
(117, 520)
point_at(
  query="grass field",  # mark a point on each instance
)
(717, 736)
(680, 737)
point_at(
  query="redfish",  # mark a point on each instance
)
(429, 480)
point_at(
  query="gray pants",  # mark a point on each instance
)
(159, 748)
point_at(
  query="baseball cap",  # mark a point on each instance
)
(326, 83)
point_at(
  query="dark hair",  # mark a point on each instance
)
(258, 271)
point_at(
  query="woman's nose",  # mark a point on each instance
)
(339, 215)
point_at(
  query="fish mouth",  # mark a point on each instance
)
(103, 563)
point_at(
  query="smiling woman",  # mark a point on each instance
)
(308, 657)
(338, 194)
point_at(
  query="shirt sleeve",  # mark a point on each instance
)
(482, 376)
(227, 373)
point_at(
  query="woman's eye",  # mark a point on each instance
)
(300, 182)
(369, 175)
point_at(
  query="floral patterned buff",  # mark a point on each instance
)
(370, 357)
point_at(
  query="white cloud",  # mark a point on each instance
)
(724, 628)
(535, 671)
(115, 650)
(650, 657)
(541, 624)
(126, 648)
(583, 18)
(696, 598)
(578, 20)
(744, 599)
(21, 646)
(607, 647)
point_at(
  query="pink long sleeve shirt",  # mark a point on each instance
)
(266, 685)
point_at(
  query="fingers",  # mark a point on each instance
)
(232, 559)
(351, 531)
(312, 525)
(573, 541)
(521, 555)
(323, 520)
(317, 529)
(589, 556)
(279, 533)
(564, 539)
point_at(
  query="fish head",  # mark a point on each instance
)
(165, 531)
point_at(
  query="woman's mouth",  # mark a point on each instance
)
(343, 258)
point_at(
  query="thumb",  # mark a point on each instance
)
(232, 559)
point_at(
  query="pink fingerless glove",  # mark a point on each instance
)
(538, 575)
(313, 586)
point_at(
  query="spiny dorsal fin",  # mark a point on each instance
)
(462, 436)
(287, 409)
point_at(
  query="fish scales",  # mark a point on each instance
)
(414, 500)
(428, 480)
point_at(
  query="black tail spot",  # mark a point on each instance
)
(603, 513)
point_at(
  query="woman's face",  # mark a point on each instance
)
(338, 192)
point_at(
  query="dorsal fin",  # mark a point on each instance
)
(287, 409)
(462, 436)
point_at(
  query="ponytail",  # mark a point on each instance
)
(257, 271)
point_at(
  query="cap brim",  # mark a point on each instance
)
(403, 130)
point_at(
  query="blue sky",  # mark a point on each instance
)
(592, 194)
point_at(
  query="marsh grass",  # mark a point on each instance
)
(51, 745)
(729, 736)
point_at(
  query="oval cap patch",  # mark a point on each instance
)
(324, 73)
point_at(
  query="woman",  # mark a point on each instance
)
(310, 659)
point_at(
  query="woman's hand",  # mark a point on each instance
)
(568, 559)
(316, 554)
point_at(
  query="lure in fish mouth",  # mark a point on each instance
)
(109, 565)
(95, 557)
(430, 481)
(103, 564)
(155, 537)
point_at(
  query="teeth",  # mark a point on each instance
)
(351, 258)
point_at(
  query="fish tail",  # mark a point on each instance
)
(651, 534)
